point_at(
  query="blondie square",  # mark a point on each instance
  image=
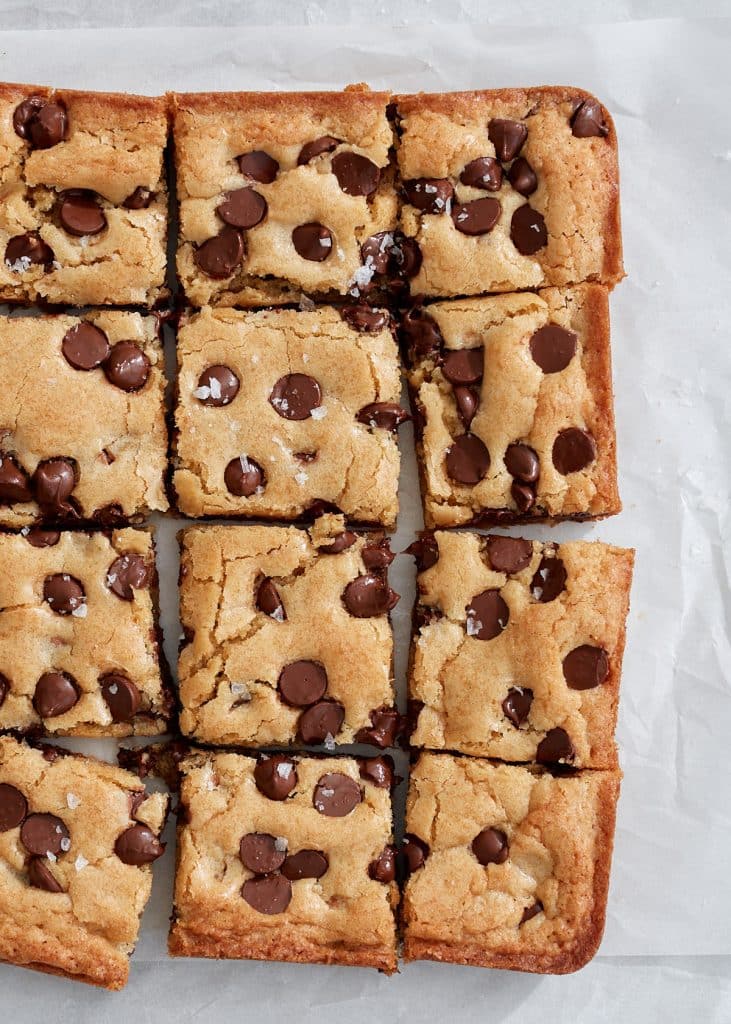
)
(77, 840)
(514, 409)
(518, 646)
(83, 216)
(285, 859)
(289, 639)
(509, 865)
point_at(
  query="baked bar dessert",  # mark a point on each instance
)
(517, 652)
(83, 217)
(285, 859)
(283, 413)
(282, 193)
(514, 411)
(509, 865)
(77, 840)
(83, 608)
(82, 419)
(508, 189)
(289, 639)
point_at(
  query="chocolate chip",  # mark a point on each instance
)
(467, 460)
(508, 554)
(573, 450)
(532, 911)
(476, 217)
(55, 694)
(85, 346)
(364, 319)
(4, 688)
(425, 550)
(342, 542)
(140, 199)
(121, 696)
(407, 255)
(378, 771)
(378, 555)
(242, 208)
(491, 846)
(523, 495)
(42, 834)
(127, 367)
(138, 845)
(275, 776)
(63, 593)
(127, 573)
(420, 333)
(220, 256)
(528, 230)
(522, 177)
(585, 667)
(377, 252)
(464, 365)
(323, 719)
(80, 213)
(517, 704)
(53, 482)
(244, 477)
(313, 241)
(383, 868)
(41, 122)
(552, 347)
(301, 683)
(310, 150)
(306, 457)
(22, 251)
(269, 602)
(508, 137)
(259, 853)
(305, 864)
(487, 615)
(555, 747)
(385, 415)
(467, 400)
(485, 172)
(549, 580)
(13, 807)
(38, 538)
(356, 174)
(415, 851)
(588, 120)
(41, 877)
(259, 165)
(269, 894)
(430, 195)
(369, 595)
(295, 395)
(382, 730)
(336, 795)
(521, 462)
(14, 482)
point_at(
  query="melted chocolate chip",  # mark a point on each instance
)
(477, 217)
(140, 199)
(467, 460)
(415, 851)
(549, 580)
(55, 694)
(508, 554)
(295, 396)
(528, 230)
(485, 172)
(463, 365)
(487, 615)
(242, 208)
(522, 177)
(573, 450)
(336, 795)
(42, 834)
(63, 593)
(243, 477)
(53, 482)
(555, 747)
(323, 719)
(85, 346)
(523, 495)
(378, 555)
(268, 894)
(80, 213)
(14, 482)
(127, 573)
(342, 542)
(120, 695)
(385, 415)
(127, 366)
(356, 174)
(311, 150)
(138, 845)
(552, 347)
(588, 120)
(301, 683)
(4, 688)
(220, 256)
(508, 138)
(383, 868)
(13, 807)
(305, 864)
(430, 195)
(378, 771)
(41, 122)
(24, 251)
(364, 319)
(585, 667)
(467, 400)
(40, 875)
(491, 846)
(369, 595)
(269, 602)
(425, 550)
(521, 462)
(38, 538)
(382, 730)
(517, 704)
(259, 165)
(275, 776)
(420, 333)
(530, 912)
(313, 241)
(259, 853)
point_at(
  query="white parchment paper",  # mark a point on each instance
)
(667, 84)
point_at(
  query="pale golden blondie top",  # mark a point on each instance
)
(509, 866)
(509, 189)
(285, 859)
(82, 419)
(77, 838)
(84, 211)
(81, 609)
(281, 413)
(281, 193)
(514, 407)
(289, 639)
(518, 648)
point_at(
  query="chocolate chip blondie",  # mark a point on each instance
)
(518, 645)
(513, 407)
(258, 667)
(283, 858)
(77, 840)
(84, 213)
(284, 413)
(281, 193)
(508, 189)
(82, 419)
(84, 608)
(509, 865)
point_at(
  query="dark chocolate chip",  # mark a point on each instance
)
(491, 846)
(259, 853)
(243, 477)
(13, 807)
(55, 694)
(464, 365)
(585, 667)
(127, 367)
(41, 877)
(53, 482)
(528, 230)
(588, 120)
(467, 460)
(14, 482)
(533, 911)
(383, 868)
(552, 347)
(386, 415)
(415, 851)
(269, 602)
(305, 864)
(140, 199)
(467, 400)
(508, 554)
(310, 150)
(522, 177)
(138, 845)
(573, 450)
(242, 208)
(22, 251)
(356, 174)
(425, 550)
(268, 894)
(38, 538)
(41, 122)
(313, 241)
(487, 615)
(549, 580)
(508, 138)
(220, 256)
(523, 495)
(378, 771)
(377, 252)
(85, 346)
(521, 462)
(295, 395)
(336, 795)
(484, 172)
(517, 704)
(44, 833)
(369, 595)
(364, 319)
(382, 730)
(342, 542)
(80, 213)
(121, 696)
(128, 573)
(4, 688)
(259, 165)
(420, 333)
(407, 256)
(476, 217)
(430, 195)
(63, 593)
(378, 555)
(323, 719)
(302, 683)
(555, 747)
(275, 776)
